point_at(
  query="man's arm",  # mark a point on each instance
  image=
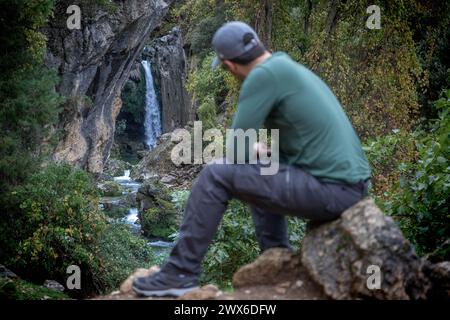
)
(256, 101)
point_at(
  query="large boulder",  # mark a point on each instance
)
(116, 167)
(341, 256)
(110, 189)
(157, 163)
(157, 214)
(268, 269)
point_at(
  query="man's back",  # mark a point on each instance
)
(315, 133)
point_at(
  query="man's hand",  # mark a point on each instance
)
(260, 149)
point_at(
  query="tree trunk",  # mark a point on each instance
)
(263, 21)
(332, 17)
(308, 6)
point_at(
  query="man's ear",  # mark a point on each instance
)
(229, 65)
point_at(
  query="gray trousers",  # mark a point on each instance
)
(291, 191)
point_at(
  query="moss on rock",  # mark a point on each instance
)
(158, 216)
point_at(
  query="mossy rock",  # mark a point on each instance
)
(159, 222)
(157, 214)
(116, 212)
(16, 289)
(110, 189)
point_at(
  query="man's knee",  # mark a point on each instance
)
(217, 170)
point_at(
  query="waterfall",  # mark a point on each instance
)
(152, 123)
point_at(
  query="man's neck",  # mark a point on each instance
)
(266, 55)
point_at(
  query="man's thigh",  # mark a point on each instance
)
(291, 191)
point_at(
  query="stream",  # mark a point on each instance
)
(161, 247)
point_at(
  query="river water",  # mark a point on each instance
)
(160, 246)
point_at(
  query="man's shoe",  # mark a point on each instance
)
(164, 284)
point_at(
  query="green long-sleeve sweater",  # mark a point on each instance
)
(315, 133)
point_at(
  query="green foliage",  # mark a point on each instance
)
(384, 154)
(29, 105)
(420, 201)
(201, 18)
(120, 253)
(205, 83)
(22, 45)
(116, 212)
(235, 242)
(210, 89)
(161, 217)
(180, 198)
(372, 72)
(133, 101)
(22, 290)
(108, 5)
(160, 221)
(207, 113)
(234, 245)
(121, 126)
(111, 189)
(200, 37)
(29, 108)
(54, 221)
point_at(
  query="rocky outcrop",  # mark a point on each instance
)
(169, 68)
(110, 189)
(6, 273)
(342, 255)
(93, 64)
(116, 167)
(339, 260)
(158, 163)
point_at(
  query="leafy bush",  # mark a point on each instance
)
(200, 36)
(120, 253)
(121, 126)
(385, 153)
(234, 245)
(54, 221)
(207, 113)
(29, 107)
(204, 83)
(116, 212)
(133, 101)
(180, 198)
(235, 242)
(420, 201)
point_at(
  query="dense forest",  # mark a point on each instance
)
(393, 82)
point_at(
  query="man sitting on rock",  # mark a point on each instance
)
(322, 170)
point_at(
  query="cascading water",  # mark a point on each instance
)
(152, 123)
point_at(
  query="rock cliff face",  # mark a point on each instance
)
(94, 63)
(169, 68)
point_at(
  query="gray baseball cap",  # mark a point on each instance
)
(232, 40)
